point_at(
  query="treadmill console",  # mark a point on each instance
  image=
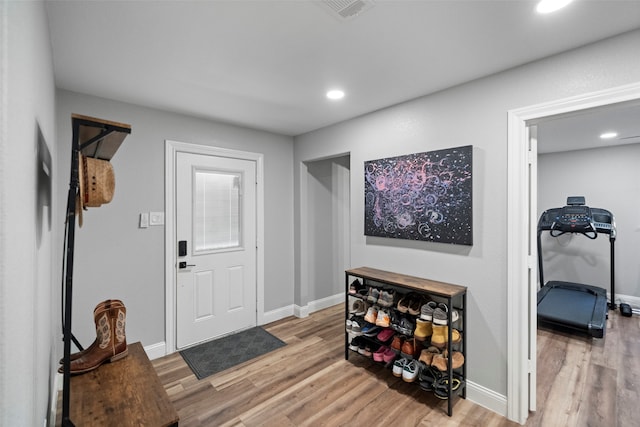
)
(577, 218)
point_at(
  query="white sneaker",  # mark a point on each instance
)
(398, 367)
(410, 371)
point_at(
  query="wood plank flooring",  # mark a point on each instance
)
(589, 382)
(308, 383)
(581, 382)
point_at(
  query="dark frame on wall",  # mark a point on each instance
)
(423, 196)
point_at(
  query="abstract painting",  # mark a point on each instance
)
(424, 196)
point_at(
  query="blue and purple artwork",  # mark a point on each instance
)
(424, 196)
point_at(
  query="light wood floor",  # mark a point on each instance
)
(581, 382)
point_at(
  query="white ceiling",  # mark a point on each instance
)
(266, 64)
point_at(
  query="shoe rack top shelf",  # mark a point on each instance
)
(98, 138)
(419, 284)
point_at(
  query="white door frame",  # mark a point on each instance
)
(171, 150)
(520, 324)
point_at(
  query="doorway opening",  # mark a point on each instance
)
(521, 223)
(325, 233)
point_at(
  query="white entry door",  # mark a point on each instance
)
(216, 241)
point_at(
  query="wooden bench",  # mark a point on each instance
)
(123, 393)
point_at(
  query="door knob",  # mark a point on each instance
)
(183, 264)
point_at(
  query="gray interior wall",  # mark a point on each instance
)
(327, 220)
(116, 259)
(609, 178)
(29, 319)
(473, 113)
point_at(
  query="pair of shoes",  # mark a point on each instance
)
(441, 361)
(408, 369)
(427, 355)
(358, 307)
(386, 298)
(383, 319)
(409, 348)
(426, 311)
(410, 303)
(403, 325)
(370, 330)
(357, 323)
(397, 343)
(355, 343)
(441, 315)
(372, 314)
(385, 335)
(384, 354)
(355, 287)
(373, 295)
(367, 348)
(428, 377)
(441, 386)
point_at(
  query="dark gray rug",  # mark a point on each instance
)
(215, 356)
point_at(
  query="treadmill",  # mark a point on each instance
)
(574, 305)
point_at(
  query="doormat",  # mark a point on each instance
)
(215, 356)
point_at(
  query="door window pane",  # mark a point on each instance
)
(217, 210)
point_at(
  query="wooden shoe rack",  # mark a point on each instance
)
(455, 296)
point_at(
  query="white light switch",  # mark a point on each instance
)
(144, 220)
(156, 218)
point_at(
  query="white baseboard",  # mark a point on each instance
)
(488, 398)
(634, 302)
(317, 305)
(157, 350)
(53, 405)
(277, 314)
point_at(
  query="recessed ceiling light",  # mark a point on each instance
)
(548, 6)
(608, 135)
(335, 94)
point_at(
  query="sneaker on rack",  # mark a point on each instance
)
(355, 343)
(406, 326)
(398, 367)
(372, 314)
(356, 325)
(378, 355)
(410, 371)
(386, 298)
(441, 315)
(370, 330)
(426, 311)
(355, 286)
(357, 306)
(373, 296)
(383, 319)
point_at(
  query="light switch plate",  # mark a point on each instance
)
(156, 218)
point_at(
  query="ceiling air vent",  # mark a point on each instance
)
(346, 9)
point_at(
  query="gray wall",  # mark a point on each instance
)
(116, 259)
(29, 315)
(473, 113)
(609, 178)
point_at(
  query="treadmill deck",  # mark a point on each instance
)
(574, 305)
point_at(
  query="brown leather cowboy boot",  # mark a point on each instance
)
(101, 305)
(111, 342)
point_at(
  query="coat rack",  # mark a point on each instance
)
(93, 138)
